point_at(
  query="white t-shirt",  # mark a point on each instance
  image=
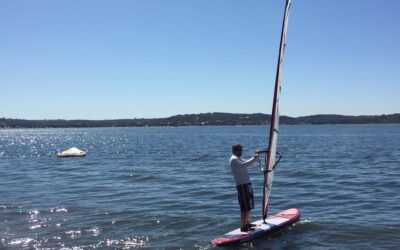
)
(239, 169)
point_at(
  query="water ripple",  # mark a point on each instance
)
(163, 188)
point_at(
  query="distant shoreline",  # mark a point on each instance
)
(202, 119)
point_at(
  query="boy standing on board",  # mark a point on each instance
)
(243, 185)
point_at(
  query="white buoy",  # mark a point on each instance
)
(72, 152)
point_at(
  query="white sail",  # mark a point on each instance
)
(271, 158)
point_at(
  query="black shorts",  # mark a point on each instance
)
(245, 197)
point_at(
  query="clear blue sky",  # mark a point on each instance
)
(108, 59)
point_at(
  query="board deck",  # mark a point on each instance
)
(273, 224)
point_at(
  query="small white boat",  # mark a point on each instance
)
(72, 152)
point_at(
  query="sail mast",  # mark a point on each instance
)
(270, 160)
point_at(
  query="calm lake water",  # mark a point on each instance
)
(172, 187)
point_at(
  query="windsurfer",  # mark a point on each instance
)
(243, 185)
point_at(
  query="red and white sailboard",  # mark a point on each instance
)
(276, 222)
(271, 225)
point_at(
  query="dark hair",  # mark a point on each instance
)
(236, 147)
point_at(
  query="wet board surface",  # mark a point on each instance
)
(273, 224)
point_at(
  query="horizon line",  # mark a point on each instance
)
(135, 118)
